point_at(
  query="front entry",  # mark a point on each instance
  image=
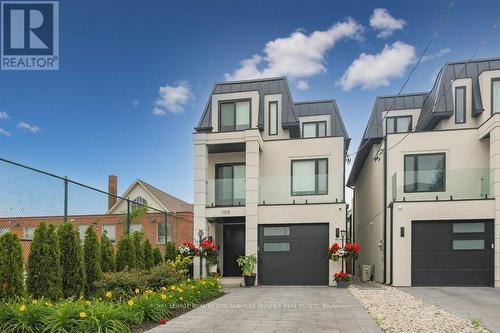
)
(234, 246)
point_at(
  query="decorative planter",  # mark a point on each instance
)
(249, 280)
(212, 268)
(342, 284)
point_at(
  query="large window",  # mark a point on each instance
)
(460, 105)
(495, 95)
(398, 124)
(161, 232)
(273, 118)
(82, 228)
(135, 227)
(310, 177)
(230, 184)
(425, 173)
(110, 231)
(314, 129)
(29, 233)
(234, 116)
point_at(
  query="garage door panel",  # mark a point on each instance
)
(477, 260)
(458, 277)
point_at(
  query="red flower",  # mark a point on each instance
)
(163, 322)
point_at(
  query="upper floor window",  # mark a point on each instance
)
(425, 173)
(400, 124)
(495, 95)
(310, 177)
(138, 202)
(230, 184)
(460, 105)
(234, 116)
(314, 129)
(273, 118)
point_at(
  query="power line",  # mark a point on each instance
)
(434, 36)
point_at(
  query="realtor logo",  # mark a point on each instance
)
(29, 35)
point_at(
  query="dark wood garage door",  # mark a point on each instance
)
(452, 253)
(293, 254)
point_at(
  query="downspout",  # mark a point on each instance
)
(391, 207)
(385, 211)
(353, 234)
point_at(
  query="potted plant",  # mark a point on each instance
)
(342, 279)
(352, 250)
(247, 265)
(208, 250)
(333, 252)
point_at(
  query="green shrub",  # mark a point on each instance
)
(73, 273)
(163, 275)
(170, 251)
(44, 269)
(11, 266)
(108, 263)
(157, 257)
(139, 252)
(122, 284)
(125, 256)
(23, 317)
(148, 254)
(91, 259)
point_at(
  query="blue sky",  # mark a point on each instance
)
(104, 113)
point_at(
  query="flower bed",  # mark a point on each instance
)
(109, 312)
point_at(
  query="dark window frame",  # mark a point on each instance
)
(219, 165)
(464, 104)
(234, 101)
(493, 80)
(316, 181)
(317, 128)
(415, 170)
(269, 112)
(410, 125)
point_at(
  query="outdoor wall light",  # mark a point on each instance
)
(342, 233)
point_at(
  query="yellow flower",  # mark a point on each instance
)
(137, 290)
(33, 302)
(189, 280)
(169, 296)
(87, 303)
(48, 304)
(109, 294)
(22, 308)
(83, 315)
(180, 298)
(180, 290)
(172, 288)
(163, 288)
(163, 296)
(192, 287)
(131, 302)
(99, 299)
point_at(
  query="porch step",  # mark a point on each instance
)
(231, 282)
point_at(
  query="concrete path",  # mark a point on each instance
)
(479, 303)
(276, 309)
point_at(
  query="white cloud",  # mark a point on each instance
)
(302, 85)
(373, 70)
(173, 98)
(438, 54)
(386, 24)
(27, 127)
(4, 132)
(298, 55)
(4, 115)
(135, 103)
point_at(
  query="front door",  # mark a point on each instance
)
(234, 246)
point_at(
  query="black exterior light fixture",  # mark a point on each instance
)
(200, 236)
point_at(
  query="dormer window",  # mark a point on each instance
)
(400, 124)
(234, 116)
(460, 105)
(314, 129)
(138, 202)
(273, 118)
(495, 95)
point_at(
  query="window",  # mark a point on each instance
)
(468, 244)
(460, 105)
(138, 202)
(495, 95)
(4, 230)
(135, 227)
(110, 231)
(29, 232)
(229, 184)
(273, 118)
(276, 247)
(424, 173)
(314, 129)
(234, 116)
(398, 124)
(161, 232)
(310, 177)
(82, 229)
(468, 227)
(276, 231)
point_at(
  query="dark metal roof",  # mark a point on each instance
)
(290, 110)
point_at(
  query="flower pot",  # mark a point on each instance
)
(342, 284)
(212, 268)
(249, 280)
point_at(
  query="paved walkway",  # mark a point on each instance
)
(479, 303)
(276, 309)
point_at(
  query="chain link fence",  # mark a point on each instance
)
(29, 197)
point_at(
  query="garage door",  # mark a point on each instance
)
(293, 254)
(452, 253)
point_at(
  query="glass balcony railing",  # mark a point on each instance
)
(455, 184)
(226, 192)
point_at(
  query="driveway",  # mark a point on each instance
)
(276, 309)
(470, 303)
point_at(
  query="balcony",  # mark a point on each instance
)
(226, 192)
(454, 184)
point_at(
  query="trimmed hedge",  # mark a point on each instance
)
(91, 259)
(11, 266)
(125, 256)
(73, 273)
(170, 251)
(139, 251)
(108, 263)
(147, 249)
(157, 257)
